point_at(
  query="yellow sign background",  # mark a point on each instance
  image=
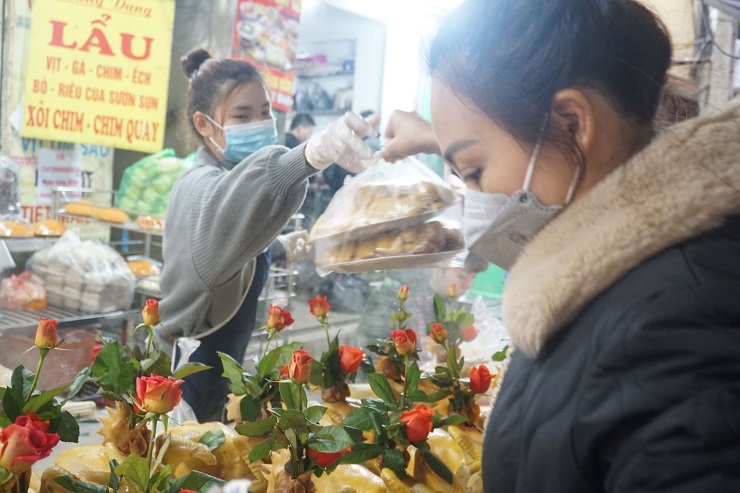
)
(98, 72)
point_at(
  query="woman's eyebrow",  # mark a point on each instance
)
(453, 149)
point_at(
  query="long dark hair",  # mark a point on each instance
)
(510, 58)
(212, 80)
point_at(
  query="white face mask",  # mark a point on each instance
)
(498, 226)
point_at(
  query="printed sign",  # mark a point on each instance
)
(58, 168)
(266, 35)
(98, 72)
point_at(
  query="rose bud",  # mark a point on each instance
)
(350, 358)
(278, 318)
(157, 394)
(300, 367)
(418, 423)
(25, 442)
(46, 334)
(327, 459)
(319, 306)
(452, 291)
(284, 371)
(403, 293)
(405, 341)
(438, 333)
(150, 313)
(480, 379)
(469, 333)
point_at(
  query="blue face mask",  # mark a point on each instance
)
(245, 139)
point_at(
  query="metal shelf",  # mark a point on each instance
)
(12, 320)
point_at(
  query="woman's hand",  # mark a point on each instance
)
(408, 134)
(341, 143)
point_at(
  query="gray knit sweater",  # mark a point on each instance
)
(220, 217)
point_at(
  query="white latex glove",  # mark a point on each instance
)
(341, 143)
(296, 245)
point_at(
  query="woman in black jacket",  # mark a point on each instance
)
(623, 296)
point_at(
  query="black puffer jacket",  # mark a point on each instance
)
(625, 311)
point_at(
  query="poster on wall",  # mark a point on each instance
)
(266, 35)
(98, 72)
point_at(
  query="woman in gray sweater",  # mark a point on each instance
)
(225, 212)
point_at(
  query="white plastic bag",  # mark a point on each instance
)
(182, 413)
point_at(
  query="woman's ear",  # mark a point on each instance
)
(203, 125)
(573, 111)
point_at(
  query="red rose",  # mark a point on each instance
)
(405, 341)
(46, 334)
(25, 442)
(452, 291)
(350, 358)
(480, 379)
(438, 333)
(284, 371)
(300, 367)
(150, 313)
(157, 394)
(188, 491)
(469, 333)
(418, 423)
(278, 318)
(325, 459)
(319, 306)
(403, 293)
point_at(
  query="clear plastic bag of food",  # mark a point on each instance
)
(85, 276)
(391, 216)
(22, 293)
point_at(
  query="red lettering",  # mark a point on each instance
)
(127, 41)
(57, 35)
(97, 40)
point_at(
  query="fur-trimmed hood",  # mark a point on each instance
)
(683, 184)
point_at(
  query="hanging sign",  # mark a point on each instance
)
(266, 35)
(98, 72)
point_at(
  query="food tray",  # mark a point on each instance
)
(420, 261)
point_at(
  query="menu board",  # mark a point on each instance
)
(98, 72)
(266, 35)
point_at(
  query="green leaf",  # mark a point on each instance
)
(114, 370)
(212, 439)
(233, 372)
(454, 419)
(39, 400)
(72, 484)
(437, 465)
(317, 374)
(114, 480)
(250, 408)
(5, 476)
(314, 413)
(257, 428)
(465, 320)
(382, 388)
(362, 452)
(420, 396)
(377, 405)
(440, 310)
(12, 405)
(79, 381)
(190, 369)
(158, 363)
(500, 355)
(356, 435)
(291, 418)
(291, 395)
(361, 418)
(196, 481)
(135, 469)
(21, 382)
(267, 364)
(68, 429)
(393, 460)
(413, 375)
(263, 449)
(330, 439)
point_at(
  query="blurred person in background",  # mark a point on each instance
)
(301, 129)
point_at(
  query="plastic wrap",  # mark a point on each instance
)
(85, 276)
(143, 266)
(22, 293)
(390, 216)
(14, 228)
(146, 185)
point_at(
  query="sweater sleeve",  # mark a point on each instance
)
(234, 216)
(660, 408)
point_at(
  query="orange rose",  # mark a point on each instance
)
(480, 379)
(188, 491)
(278, 318)
(150, 313)
(284, 371)
(403, 293)
(418, 423)
(438, 333)
(157, 394)
(452, 291)
(300, 367)
(350, 358)
(325, 459)
(469, 333)
(405, 341)
(25, 442)
(319, 306)
(46, 334)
